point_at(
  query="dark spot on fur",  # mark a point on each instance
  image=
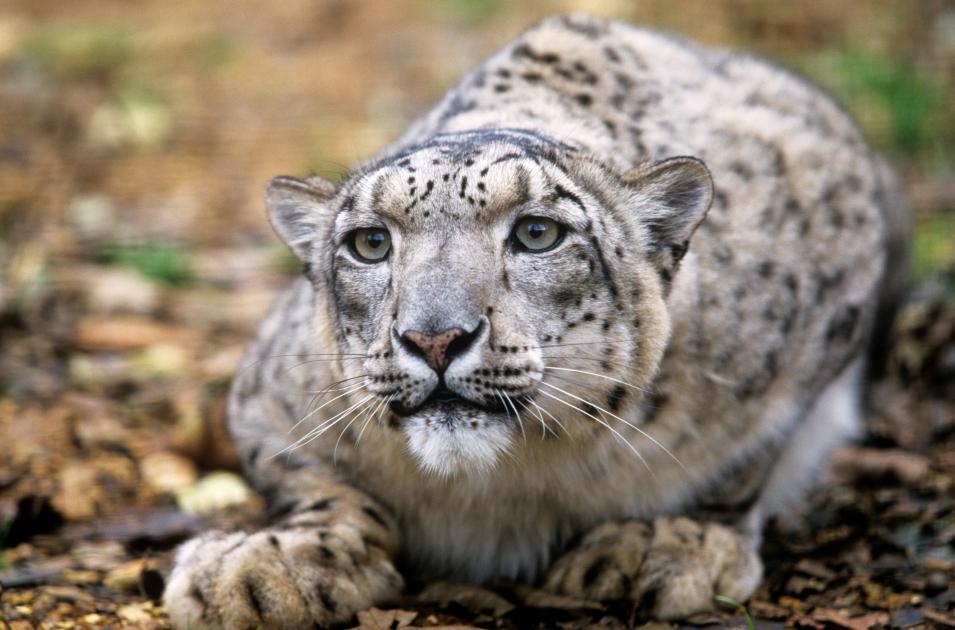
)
(282, 510)
(254, 453)
(836, 219)
(374, 515)
(720, 200)
(326, 599)
(322, 504)
(653, 404)
(825, 282)
(595, 570)
(526, 51)
(254, 595)
(742, 170)
(842, 327)
(585, 100)
(615, 398)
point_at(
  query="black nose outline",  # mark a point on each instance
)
(439, 350)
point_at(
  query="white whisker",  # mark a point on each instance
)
(350, 390)
(629, 424)
(371, 416)
(583, 358)
(552, 416)
(520, 421)
(604, 376)
(345, 430)
(322, 428)
(610, 428)
(540, 418)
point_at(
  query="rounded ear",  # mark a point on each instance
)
(670, 198)
(296, 208)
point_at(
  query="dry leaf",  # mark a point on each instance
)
(841, 619)
(378, 619)
(474, 598)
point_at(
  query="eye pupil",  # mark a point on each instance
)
(537, 234)
(371, 244)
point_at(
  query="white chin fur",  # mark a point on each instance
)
(447, 449)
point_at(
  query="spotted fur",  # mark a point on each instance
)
(691, 345)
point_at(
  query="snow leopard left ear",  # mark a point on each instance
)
(670, 199)
(296, 209)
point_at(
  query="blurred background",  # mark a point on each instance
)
(135, 259)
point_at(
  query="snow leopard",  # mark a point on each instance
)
(590, 322)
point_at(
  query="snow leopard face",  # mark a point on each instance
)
(490, 285)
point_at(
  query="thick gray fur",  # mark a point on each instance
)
(669, 376)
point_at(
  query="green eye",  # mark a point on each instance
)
(371, 244)
(537, 234)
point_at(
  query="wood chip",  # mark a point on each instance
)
(841, 619)
(122, 333)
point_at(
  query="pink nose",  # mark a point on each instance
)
(434, 349)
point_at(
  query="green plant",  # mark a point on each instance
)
(740, 609)
(79, 49)
(933, 246)
(470, 11)
(902, 107)
(163, 262)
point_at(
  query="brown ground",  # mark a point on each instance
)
(135, 139)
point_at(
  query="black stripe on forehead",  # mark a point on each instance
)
(557, 192)
(460, 146)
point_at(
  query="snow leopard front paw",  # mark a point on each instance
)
(278, 578)
(675, 567)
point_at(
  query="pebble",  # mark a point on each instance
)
(168, 472)
(936, 582)
(215, 492)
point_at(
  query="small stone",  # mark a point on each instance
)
(168, 472)
(160, 361)
(936, 582)
(92, 216)
(134, 613)
(125, 577)
(120, 291)
(215, 492)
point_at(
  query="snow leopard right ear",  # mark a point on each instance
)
(671, 198)
(296, 209)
